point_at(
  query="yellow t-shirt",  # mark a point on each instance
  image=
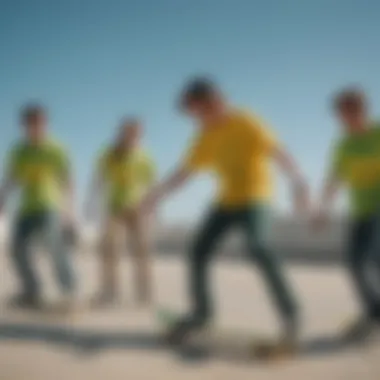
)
(126, 176)
(238, 151)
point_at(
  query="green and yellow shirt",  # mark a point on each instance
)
(40, 171)
(356, 162)
(126, 176)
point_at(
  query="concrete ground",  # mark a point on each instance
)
(120, 343)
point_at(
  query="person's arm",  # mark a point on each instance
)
(197, 158)
(265, 142)
(64, 169)
(326, 201)
(8, 183)
(289, 167)
(159, 192)
(149, 182)
(149, 172)
(330, 188)
(6, 187)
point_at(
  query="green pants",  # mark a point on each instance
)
(254, 220)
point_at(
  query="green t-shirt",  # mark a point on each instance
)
(40, 171)
(126, 177)
(356, 162)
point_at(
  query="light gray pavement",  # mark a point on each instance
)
(125, 352)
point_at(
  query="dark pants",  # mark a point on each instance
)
(364, 255)
(254, 221)
(48, 226)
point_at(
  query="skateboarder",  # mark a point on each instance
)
(356, 166)
(39, 166)
(238, 148)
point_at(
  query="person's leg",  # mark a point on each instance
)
(58, 247)
(362, 234)
(108, 263)
(204, 245)
(23, 232)
(139, 240)
(256, 223)
(374, 268)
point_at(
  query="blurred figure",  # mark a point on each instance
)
(238, 148)
(123, 174)
(356, 166)
(40, 167)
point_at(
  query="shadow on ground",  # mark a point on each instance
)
(79, 339)
(90, 342)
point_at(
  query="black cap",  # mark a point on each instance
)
(197, 89)
(30, 111)
(349, 97)
(129, 120)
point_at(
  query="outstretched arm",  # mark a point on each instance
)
(330, 187)
(173, 182)
(288, 165)
(325, 203)
(329, 192)
(197, 158)
(291, 170)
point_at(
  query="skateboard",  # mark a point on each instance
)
(246, 345)
(218, 341)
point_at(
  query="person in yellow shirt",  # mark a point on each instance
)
(124, 172)
(237, 147)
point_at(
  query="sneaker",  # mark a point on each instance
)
(286, 346)
(183, 329)
(27, 301)
(359, 330)
(275, 351)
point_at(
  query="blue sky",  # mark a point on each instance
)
(91, 62)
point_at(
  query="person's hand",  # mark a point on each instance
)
(148, 205)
